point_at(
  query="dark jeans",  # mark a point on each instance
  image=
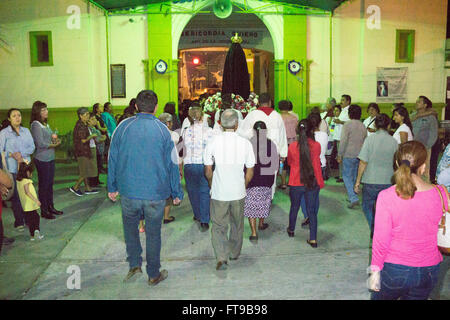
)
(16, 206)
(198, 191)
(406, 283)
(153, 211)
(312, 207)
(46, 176)
(443, 269)
(369, 199)
(32, 219)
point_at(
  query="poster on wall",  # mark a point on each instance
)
(391, 84)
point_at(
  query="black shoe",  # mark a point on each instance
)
(204, 226)
(290, 233)
(263, 226)
(7, 241)
(47, 215)
(253, 238)
(339, 180)
(92, 191)
(52, 210)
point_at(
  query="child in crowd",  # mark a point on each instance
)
(29, 199)
(336, 137)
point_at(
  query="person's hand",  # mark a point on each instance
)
(113, 196)
(176, 201)
(17, 156)
(3, 190)
(339, 159)
(356, 187)
(38, 203)
(374, 281)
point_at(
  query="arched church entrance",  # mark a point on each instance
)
(203, 47)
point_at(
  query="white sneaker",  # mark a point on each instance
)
(32, 239)
(38, 235)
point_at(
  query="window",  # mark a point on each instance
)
(405, 46)
(41, 49)
(118, 84)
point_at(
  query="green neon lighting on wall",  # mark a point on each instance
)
(41, 48)
(404, 47)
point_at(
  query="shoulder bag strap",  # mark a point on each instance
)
(444, 211)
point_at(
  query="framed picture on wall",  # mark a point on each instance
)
(118, 81)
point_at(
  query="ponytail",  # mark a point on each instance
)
(409, 157)
(405, 187)
(305, 131)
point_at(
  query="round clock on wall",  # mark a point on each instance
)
(161, 67)
(294, 67)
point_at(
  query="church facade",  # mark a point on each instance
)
(95, 52)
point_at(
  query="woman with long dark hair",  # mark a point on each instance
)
(17, 145)
(44, 158)
(97, 109)
(405, 129)
(259, 191)
(305, 178)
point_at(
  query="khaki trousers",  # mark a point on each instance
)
(224, 213)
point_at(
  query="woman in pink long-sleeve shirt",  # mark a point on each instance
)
(405, 256)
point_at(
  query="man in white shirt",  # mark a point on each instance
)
(273, 120)
(230, 153)
(346, 101)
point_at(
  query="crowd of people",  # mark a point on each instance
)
(230, 165)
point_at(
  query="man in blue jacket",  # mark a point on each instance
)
(143, 169)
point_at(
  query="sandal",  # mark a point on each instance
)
(263, 226)
(282, 186)
(311, 243)
(171, 219)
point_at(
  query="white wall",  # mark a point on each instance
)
(358, 51)
(129, 46)
(78, 75)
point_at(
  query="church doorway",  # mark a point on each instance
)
(203, 48)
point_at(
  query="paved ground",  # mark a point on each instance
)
(89, 236)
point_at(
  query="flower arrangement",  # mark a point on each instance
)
(214, 103)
